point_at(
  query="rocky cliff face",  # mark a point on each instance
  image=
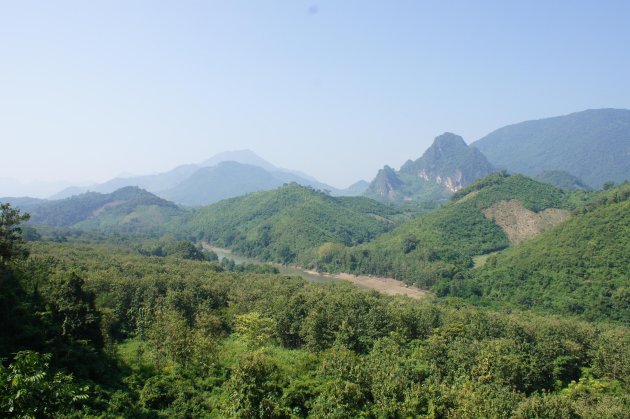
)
(450, 162)
(445, 167)
(385, 184)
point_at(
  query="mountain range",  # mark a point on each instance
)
(593, 145)
(582, 150)
(446, 166)
(226, 175)
(578, 151)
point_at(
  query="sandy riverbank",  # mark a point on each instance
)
(387, 286)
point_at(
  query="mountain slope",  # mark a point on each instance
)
(225, 180)
(240, 156)
(127, 209)
(580, 267)
(449, 162)
(593, 145)
(287, 224)
(356, 189)
(26, 204)
(445, 167)
(152, 183)
(436, 246)
(563, 180)
(68, 192)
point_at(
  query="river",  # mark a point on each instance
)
(387, 286)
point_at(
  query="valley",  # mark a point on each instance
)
(448, 288)
(314, 209)
(387, 286)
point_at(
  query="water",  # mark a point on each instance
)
(284, 270)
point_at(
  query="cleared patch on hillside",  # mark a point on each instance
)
(519, 223)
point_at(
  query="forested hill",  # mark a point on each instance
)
(287, 224)
(97, 331)
(593, 145)
(486, 216)
(580, 267)
(127, 209)
(93, 332)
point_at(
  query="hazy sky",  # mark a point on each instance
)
(93, 89)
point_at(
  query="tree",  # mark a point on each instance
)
(409, 243)
(11, 242)
(73, 309)
(253, 388)
(28, 388)
(255, 329)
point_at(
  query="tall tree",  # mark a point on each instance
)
(11, 242)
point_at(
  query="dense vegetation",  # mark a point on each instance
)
(436, 250)
(129, 209)
(592, 145)
(580, 267)
(103, 332)
(287, 224)
(439, 245)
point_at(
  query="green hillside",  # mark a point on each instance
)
(95, 331)
(593, 145)
(562, 180)
(580, 267)
(436, 246)
(128, 209)
(288, 223)
(103, 331)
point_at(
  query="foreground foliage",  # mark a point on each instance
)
(167, 337)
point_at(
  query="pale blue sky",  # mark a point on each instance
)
(337, 89)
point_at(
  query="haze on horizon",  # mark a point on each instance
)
(91, 90)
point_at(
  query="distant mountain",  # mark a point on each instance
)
(152, 183)
(68, 192)
(445, 167)
(240, 156)
(593, 145)
(225, 180)
(386, 185)
(226, 175)
(288, 224)
(127, 209)
(356, 189)
(562, 180)
(25, 204)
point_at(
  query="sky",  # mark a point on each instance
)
(337, 89)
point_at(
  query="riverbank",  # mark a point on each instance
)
(388, 286)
